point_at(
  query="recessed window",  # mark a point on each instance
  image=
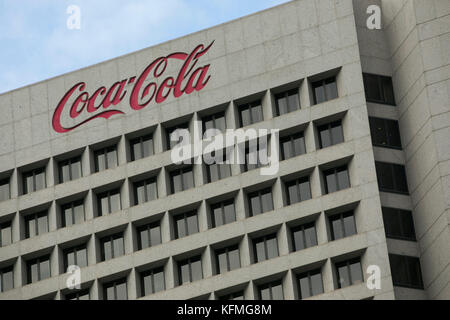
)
(349, 273)
(145, 190)
(255, 152)
(310, 284)
(108, 202)
(36, 224)
(292, 146)
(5, 190)
(330, 134)
(336, 179)
(79, 295)
(342, 225)
(385, 133)
(260, 201)
(73, 213)
(76, 256)
(324, 90)
(34, 180)
(227, 259)
(217, 167)
(185, 224)
(190, 270)
(112, 246)
(391, 177)
(149, 235)
(265, 248)
(250, 113)
(406, 271)
(304, 236)
(6, 279)
(38, 269)
(5, 234)
(271, 291)
(106, 158)
(181, 179)
(115, 290)
(215, 121)
(152, 281)
(223, 213)
(287, 101)
(238, 295)
(379, 89)
(141, 147)
(399, 224)
(298, 190)
(175, 137)
(69, 169)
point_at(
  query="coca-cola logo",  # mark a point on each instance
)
(101, 103)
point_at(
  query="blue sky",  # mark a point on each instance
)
(35, 43)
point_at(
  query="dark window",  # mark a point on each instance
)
(6, 279)
(141, 147)
(106, 158)
(239, 295)
(391, 177)
(304, 236)
(342, 225)
(149, 235)
(228, 259)
(5, 191)
(271, 291)
(115, 290)
(399, 224)
(108, 202)
(385, 133)
(287, 101)
(310, 284)
(256, 154)
(223, 213)
(177, 136)
(36, 224)
(73, 213)
(38, 269)
(217, 167)
(265, 248)
(5, 234)
(215, 121)
(406, 271)
(112, 246)
(349, 273)
(76, 256)
(69, 169)
(292, 146)
(185, 224)
(145, 191)
(336, 179)
(260, 202)
(379, 89)
(33, 180)
(181, 179)
(152, 281)
(79, 295)
(190, 270)
(324, 90)
(250, 113)
(330, 134)
(298, 190)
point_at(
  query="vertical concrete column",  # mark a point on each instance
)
(327, 276)
(96, 290)
(251, 292)
(316, 189)
(282, 236)
(89, 205)
(169, 272)
(158, 136)
(277, 194)
(128, 239)
(85, 162)
(207, 257)
(244, 248)
(267, 105)
(54, 262)
(52, 220)
(239, 205)
(131, 285)
(321, 227)
(162, 183)
(125, 194)
(14, 184)
(288, 286)
(15, 226)
(202, 217)
(310, 138)
(19, 273)
(121, 150)
(165, 228)
(231, 116)
(50, 178)
(91, 251)
(305, 95)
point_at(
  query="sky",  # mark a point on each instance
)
(36, 44)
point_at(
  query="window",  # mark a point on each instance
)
(190, 270)
(181, 179)
(239, 295)
(36, 224)
(69, 169)
(152, 281)
(391, 177)
(271, 291)
(79, 295)
(112, 246)
(385, 133)
(5, 234)
(379, 89)
(149, 235)
(399, 224)
(304, 236)
(292, 146)
(73, 213)
(145, 191)
(76, 256)
(324, 90)
(406, 271)
(228, 259)
(5, 192)
(215, 121)
(255, 154)
(265, 248)
(336, 179)
(108, 202)
(349, 273)
(342, 225)
(219, 169)
(38, 269)
(33, 180)
(298, 190)
(223, 213)
(178, 137)
(330, 134)
(287, 101)
(260, 201)
(106, 158)
(250, 113)
(310, 284)
(6, 279)
(141, 147)
(185, 224)
(115, 290)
